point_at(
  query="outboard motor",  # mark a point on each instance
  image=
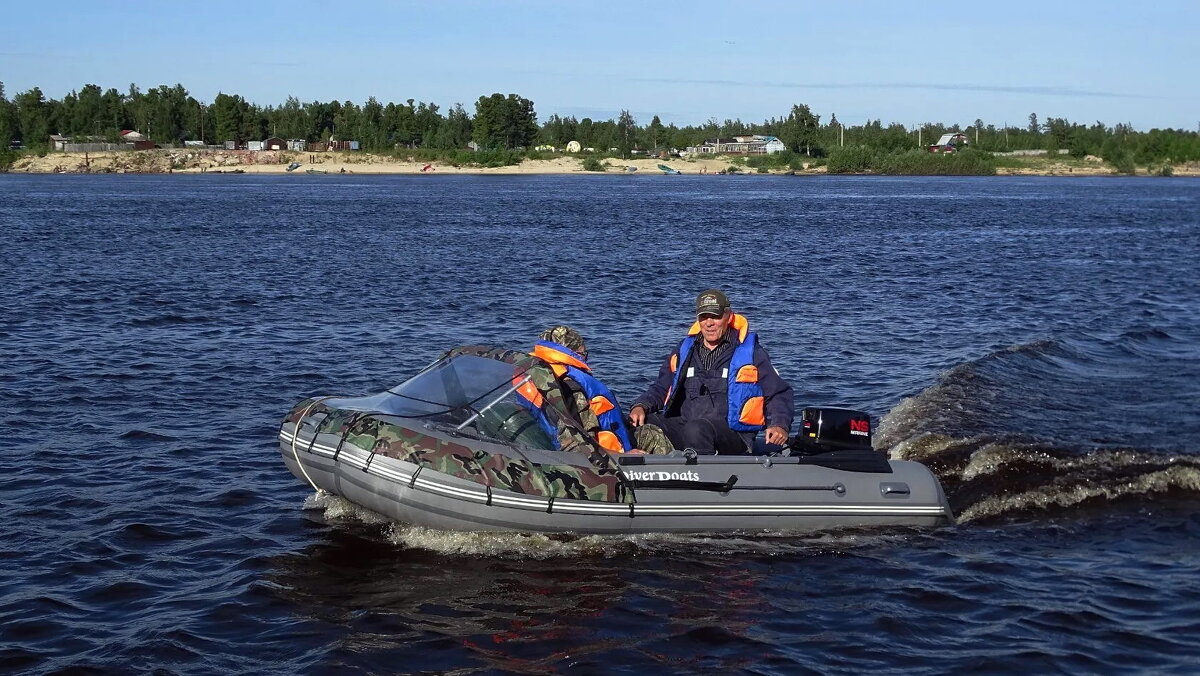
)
(827, 429)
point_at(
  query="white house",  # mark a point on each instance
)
(740, 145)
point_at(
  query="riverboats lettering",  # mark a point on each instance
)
(663, 476)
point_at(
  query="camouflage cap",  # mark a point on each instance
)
(567, 337)
(711, 302)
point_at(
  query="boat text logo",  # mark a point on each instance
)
(663, 476)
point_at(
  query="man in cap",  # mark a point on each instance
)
(593, 405)
(717, 389)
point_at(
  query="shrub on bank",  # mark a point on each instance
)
(7, 158)
(592, 163)
(782, 160)
(1122, 161)
(851, 160)
(1117, 154)
(496, 158)
(922, 163)
(861, 159)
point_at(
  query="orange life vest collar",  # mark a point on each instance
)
(553, 354)
(736, 321)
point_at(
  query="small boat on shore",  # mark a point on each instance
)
(668, 170)
(315, 171)
(454, 449)
(293, 166)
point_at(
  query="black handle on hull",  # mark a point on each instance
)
(682, 485)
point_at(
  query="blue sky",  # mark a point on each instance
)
(684, 61)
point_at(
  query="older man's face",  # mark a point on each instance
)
(712, 327)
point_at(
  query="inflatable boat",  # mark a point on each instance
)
(453, 448)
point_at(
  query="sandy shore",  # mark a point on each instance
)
(275, 162)
(194, 162)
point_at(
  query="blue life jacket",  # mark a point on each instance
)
(613, 435)
(744, 394)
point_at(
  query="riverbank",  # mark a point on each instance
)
(187, 161)
(277, 162)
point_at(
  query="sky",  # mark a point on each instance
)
(687, 62)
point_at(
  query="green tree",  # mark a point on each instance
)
(135, 109)
(800, 131)
(504, 122)
(292, 120)
(113, 117)
(87, 118)
(33, 119)
(627, 129)
(164, 107)
(401, 122)
(454, 131)
(196, 120)
(370, 129)
(584, 133)
(318, 120)
(255, 126)
(345, 122)
(227, 118)
(426, 120)
(552, 132)
(8, 121)
(655, 133)
(1050, 143)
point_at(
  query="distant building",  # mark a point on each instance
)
(90, 144)
(297, 144)
(130, 136)
(949, 143)
(739, 145)
(274, 143)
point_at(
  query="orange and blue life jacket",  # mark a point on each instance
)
(744, 393)
(613, 435)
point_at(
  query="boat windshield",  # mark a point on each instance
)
(466, 394)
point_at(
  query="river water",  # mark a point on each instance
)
(1035, 341)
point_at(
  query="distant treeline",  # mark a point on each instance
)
(170, 115)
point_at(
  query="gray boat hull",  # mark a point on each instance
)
(671, 495)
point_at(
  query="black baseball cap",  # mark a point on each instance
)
(711, 302)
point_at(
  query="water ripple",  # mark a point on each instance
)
(1035, 345)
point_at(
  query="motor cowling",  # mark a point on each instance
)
(825, 429)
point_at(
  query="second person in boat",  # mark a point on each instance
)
(592, 405)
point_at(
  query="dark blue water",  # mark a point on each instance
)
(1035, 341)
